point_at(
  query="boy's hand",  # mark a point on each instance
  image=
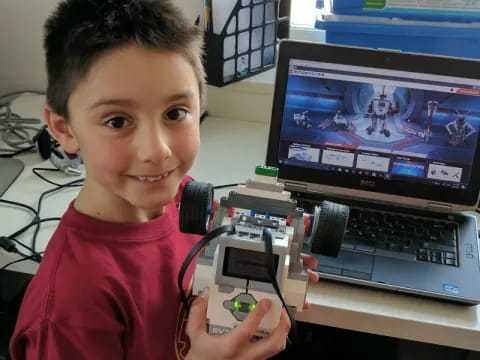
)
(237, 344)
(310, 263)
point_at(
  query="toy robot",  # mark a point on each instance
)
(378, 109)
(302, 120)
(341, 123)
(254, 252)
(459, 130)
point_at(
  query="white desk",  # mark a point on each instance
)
(230, 150)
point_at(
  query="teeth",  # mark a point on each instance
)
(151, 179)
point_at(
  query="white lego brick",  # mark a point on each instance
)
(284, 195)
(239, 212)
(266, 179)
(281, 221)
(296, 292)
(202, 278)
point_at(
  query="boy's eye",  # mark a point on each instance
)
(116, 122)
(177, 114)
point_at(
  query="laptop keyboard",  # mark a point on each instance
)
(401, 236)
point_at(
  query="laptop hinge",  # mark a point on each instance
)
(291, 186)
(439, 207)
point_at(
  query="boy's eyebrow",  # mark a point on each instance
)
(129, 102)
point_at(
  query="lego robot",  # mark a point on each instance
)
(378, 109)
(341, 123)
(302, 120)
(459, 130)
(255, 250)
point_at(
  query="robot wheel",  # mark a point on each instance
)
(195, 207)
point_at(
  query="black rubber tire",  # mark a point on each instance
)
(327, 235)
(195, 207)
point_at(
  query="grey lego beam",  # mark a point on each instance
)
(272, 206)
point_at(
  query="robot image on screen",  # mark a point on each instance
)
(377, 116)
(253, 250)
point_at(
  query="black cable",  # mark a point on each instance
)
(270, 264)
(225, 186)
(26, 227)
(36, 219)
(35, 171)
(8, 244)
(191, 255)
(22, 244)
(31, 257)
(33, 222)
(18, 152)
(19, 205)
(39, 205)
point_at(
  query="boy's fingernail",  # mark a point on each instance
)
(267, 304)
(204, 293)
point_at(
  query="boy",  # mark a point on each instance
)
(125, 84)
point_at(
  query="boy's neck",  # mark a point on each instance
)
(95, 202)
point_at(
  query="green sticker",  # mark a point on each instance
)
(374, 4)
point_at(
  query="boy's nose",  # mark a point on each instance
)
(153, 145)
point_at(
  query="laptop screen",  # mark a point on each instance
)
(389, 129)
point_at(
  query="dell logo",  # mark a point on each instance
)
(368, 183)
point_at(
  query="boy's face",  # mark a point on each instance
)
(135, 120)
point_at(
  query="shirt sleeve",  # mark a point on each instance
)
(58, 342)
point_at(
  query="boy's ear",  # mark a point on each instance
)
(60, 130)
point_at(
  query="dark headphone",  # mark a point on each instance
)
(49, 148)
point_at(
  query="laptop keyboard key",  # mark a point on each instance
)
(451, 262)
(401, 236)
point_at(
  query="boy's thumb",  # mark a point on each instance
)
(197, 319)
(204, 293)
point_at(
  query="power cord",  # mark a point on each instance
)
(36, 221)
(43, 195)
(9, 245)
(270, 264)
(230, 229)
(8, 242)
(36, 172)
(225, 186)
(15, 131)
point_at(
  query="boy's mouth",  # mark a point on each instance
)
(152, 178)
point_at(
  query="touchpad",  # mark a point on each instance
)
(346, 260)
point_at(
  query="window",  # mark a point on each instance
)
(303, 13)
(303, 16)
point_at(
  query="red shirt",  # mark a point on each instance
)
(107, 291)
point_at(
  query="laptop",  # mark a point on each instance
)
(395, 136)
(10, 169)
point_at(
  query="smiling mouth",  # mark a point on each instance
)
(152, 178)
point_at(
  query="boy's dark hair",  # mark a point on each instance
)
(80, 31)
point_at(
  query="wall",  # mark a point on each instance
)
(21, 60)
(21, 28)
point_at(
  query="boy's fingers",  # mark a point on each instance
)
(309, 261)
(197, 323)
(250, 325)
(277, 340)
(313, 277)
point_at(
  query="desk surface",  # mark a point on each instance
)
(333, 304)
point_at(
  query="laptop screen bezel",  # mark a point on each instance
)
(383, 59)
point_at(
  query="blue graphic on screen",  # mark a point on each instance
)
(437, 130)
(408, 167)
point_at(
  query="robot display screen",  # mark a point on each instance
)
(247, 264)
(379, 123)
